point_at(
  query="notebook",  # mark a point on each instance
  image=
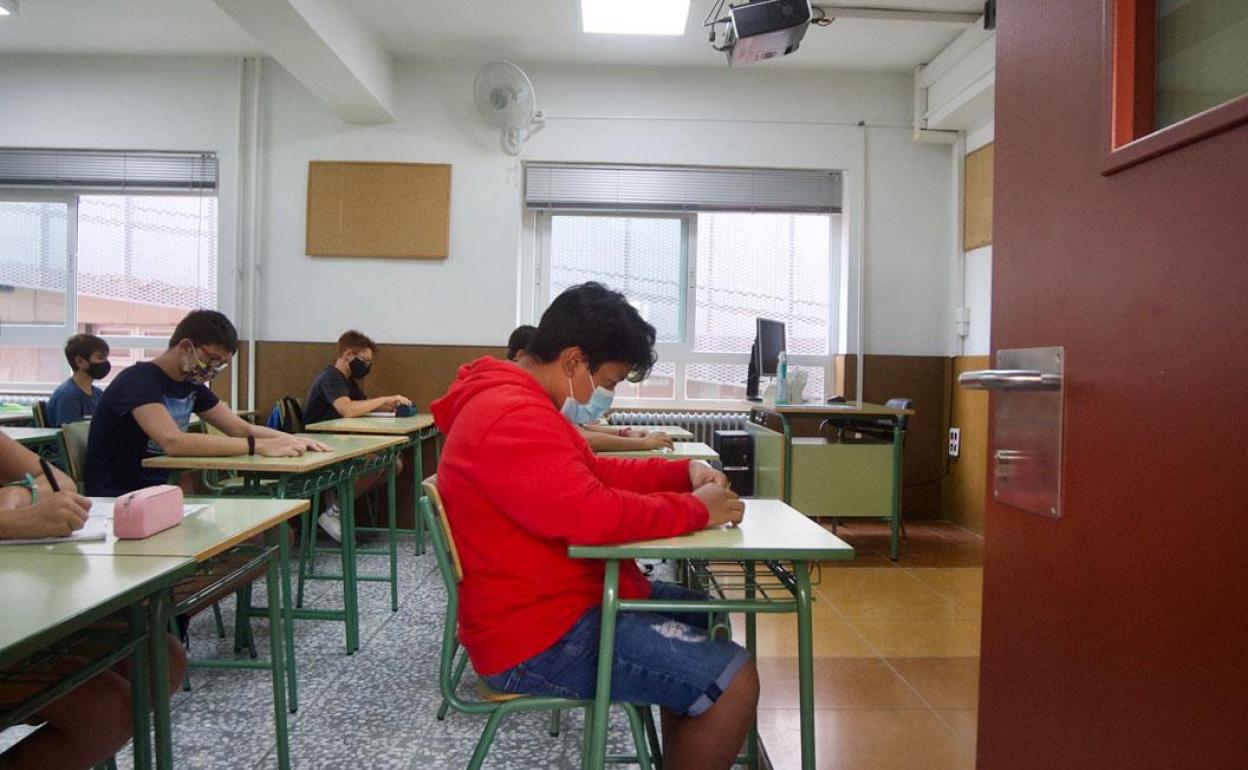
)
(94, 531)
(380, 414)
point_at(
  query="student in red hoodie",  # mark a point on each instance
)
(520, 484)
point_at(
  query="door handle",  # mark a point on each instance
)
(1010, 379)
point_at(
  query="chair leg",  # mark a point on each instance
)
(554, 724)
(652, 733)
(902, 519)
(487, 738)
(307, 546)
(460, 663)
(639, 735)
(216, 615)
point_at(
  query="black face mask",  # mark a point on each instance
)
(98, 371)
(359, 368)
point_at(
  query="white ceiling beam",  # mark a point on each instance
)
(328, 49)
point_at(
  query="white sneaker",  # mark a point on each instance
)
(331, 522)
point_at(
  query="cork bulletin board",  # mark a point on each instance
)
(977, 222)
(379, 210)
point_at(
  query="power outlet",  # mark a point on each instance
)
(955, 441)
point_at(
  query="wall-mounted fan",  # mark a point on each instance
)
(504, 95)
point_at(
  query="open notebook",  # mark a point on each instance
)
(95, 530)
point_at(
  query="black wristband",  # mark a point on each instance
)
(251, 445)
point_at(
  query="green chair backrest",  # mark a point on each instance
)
(75, 435)
(448, 565)
(40, 414)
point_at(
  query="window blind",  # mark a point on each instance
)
(680, 188)
(127, 170)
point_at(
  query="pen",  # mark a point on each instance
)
(47, 471)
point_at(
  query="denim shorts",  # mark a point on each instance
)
(660, 658)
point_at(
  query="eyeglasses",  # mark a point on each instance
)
(215, 364)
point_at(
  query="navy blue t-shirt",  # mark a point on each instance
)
(117, 444)
(69, 404)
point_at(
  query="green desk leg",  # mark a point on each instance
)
(158, 622)
(805, 665)
(751, 644)
(277, 651)
(895, 520)
(140, 670)
(288, 624)
(600, 713)
(418, 491)
(350, 592)
(393, 534)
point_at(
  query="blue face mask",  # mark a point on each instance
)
(583, 414)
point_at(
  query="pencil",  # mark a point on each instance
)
(47, 471)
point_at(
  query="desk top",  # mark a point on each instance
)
(674, 432)
(30, 434)
(46, 597)
(769, 530)
(830, 410)
(344, 447)
(681, 450)
(8, 416)
(386, 426)
(226, 522)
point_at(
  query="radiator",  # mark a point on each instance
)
(701, 424)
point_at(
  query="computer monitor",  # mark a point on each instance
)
(765, 355)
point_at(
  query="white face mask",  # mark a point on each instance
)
(591, 411)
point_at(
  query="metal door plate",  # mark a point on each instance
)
(1027, 435)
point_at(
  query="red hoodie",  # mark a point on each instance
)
(520, 485)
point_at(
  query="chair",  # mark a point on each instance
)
(291, 412)
(75, 434)
(497, 705)
(39, 413)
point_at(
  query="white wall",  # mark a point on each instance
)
(751, 117)
(977, 275)
(718, 117)
(144, 103)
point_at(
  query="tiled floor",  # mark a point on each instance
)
(896, 672)
(897, 656)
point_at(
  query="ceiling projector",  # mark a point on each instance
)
(759, 29)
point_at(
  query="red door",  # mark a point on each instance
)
(1117, 635)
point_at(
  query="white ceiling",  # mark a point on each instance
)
(524, 30)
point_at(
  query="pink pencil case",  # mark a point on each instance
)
(145, 512)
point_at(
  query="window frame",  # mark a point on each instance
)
(681, 354)
(54, 336)
(1129, 99)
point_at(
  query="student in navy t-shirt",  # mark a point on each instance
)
(146, 409)
(76, 398)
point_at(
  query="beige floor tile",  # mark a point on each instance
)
(944, 683)
(838, 683)
(921, 639)
(866, 739)
(963, 721)
(883, 594)
(777, 635)
(963, 586)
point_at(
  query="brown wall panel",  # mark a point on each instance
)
(924, 379)
(966, 484)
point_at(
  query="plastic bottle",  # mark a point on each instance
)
(782, 375)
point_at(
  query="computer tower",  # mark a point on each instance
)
(736, 454)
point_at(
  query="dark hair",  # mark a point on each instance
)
(84, 346)
(353, 340)
(519, 340)
(206, 327)
(600, 322)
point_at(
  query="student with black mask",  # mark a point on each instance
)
(336, 393)
(76, 398)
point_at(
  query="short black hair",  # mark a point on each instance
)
(206, 327)
(600, 322)
(84, 345)
(519, 340)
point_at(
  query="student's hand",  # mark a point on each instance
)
(393, 402)
(722, 505)
(55, 515)
(281, 446)
(656, 441)
(702, 474)
(312, 445)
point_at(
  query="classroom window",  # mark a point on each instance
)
(123, 267)
(744, 265)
